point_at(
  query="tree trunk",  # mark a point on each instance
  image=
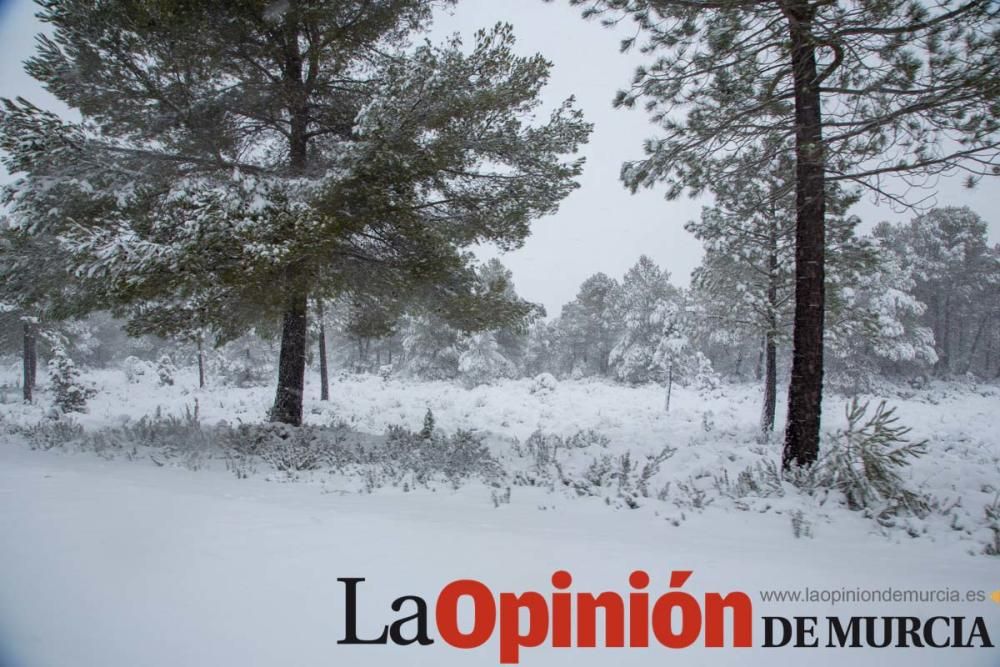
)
(770, 387)
(201, 363)
(292, 360)
(670, 385)
(975, 344)
(29, 361)
(944, 358)
(770, 342)
(805, 392)
(758, 369)
(324, 371)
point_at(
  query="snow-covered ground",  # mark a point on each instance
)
(119, 561)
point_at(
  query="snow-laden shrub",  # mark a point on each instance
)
(137, 369)
(457, 457)
(400, 458)
(51, 433)
(240, 371)
(619, 477)
(68, 393)
(992, 512)
(427, 432)
(288, 448)
(170, 437)
(622, 480)
(541, 449)
(165, 371)
(544, 383)
(704, 378)
(864, 461)
(759, 480)
(248, 361)
(801, 526)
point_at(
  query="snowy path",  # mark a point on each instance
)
(117, 563)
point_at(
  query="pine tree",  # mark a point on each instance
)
(512, 333)
(482, 361)
(431, 348)
(879, 326)
(956, 275)
(591, 325)
(867, 90)
(245, 156)
(36, 292)
(68, 393)
(645, 290)
(746, 281)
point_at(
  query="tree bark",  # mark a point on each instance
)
(670, 386)
(770, 342)
(201, 363)
(975, 343)
(292, 360)
(324, 371)
(29, 361)
(805, 392)
(758, 369)
(770, 387)
(944, 359)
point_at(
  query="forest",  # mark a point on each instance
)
(258, 317)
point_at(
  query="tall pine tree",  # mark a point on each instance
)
(864, 90)
(243, 156)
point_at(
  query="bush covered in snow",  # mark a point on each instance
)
(544, 383)
(583, 464)
(137, 369)
(992, 512)
(165, 371)
(865, 461)
(68, 393)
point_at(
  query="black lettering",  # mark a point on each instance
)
(929, 632)
(835, 629)
(909, 626)
(805, 626)
(979, 630)
(786, 631)
(351, 615)
(396, 629)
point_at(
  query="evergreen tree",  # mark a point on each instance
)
(483, 362)
(512, 335)
(68, 393)
(867, 90)
(883, 331)
(431, 347)
(247, 155)
(746, 281)
(645, 291)
(543, 348)
(956, 274)
(591, 325)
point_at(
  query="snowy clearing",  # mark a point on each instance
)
(110, 561)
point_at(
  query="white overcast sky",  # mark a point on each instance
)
(600, 227)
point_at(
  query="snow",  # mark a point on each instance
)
(119, 562)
